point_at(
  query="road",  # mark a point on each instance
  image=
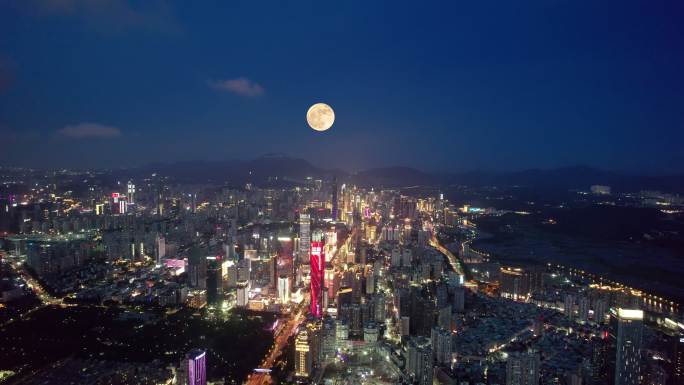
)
(279, 344)
(45, 298)
(453, 260)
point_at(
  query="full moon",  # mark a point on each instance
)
(320, 116)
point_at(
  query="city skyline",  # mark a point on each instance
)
(307, 193)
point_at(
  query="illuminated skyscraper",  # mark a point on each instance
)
(242, 293)
(131, 192)
(317, 262)
(334, 199)
(304, 236)
(195, 365)
(160, 248)
(626, 332)
(303, 355)
(284, 289)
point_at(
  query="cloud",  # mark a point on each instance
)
(109, 14)
(89, 130)
(240, 86)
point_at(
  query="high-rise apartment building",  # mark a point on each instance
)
(626, 333)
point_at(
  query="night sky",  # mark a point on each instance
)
(440, 86)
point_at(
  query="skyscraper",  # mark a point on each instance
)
(304, 236)
(334, 199)
(197, 269)
(317, 262)
(242, 293)
(160, 249)
(214, 282)
(195, 365)
(303, 355)
(284, 289)
(626, 331)
(419, 362)
(131, 192)
(441, 346)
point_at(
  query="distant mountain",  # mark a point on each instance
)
(394, 177)
(279, 170)
(270, 169)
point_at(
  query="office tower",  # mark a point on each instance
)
(441, 346)
(214, 281)
(315, 332)
(304, 236)
(569, 305)
(329, 338)
(379, 308)
(303, 355)
(242, 293)
(626, 333)
(355, 320)
(283, 289)
(131, 192)
(244, 267)
(317, 262)
(334, 199)
(523, 368)
(160, 249)
(197, 269)
(195, 366)
(159, 200)
(419, 362)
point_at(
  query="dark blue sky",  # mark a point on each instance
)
(498, 85)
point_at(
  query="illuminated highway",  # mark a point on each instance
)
(279, 343)
(44, 297)
(453, 260)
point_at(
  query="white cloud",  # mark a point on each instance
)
(89, 130)
(240, 86)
